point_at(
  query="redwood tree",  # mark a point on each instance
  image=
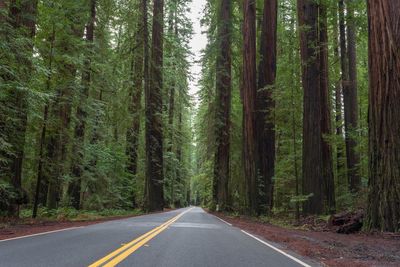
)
(312, 132)
(223, 105)
(326, 127)
(154, 108)
(265, 125)
(384, 111)
(351, 103)
(138, 66)
(249, 104)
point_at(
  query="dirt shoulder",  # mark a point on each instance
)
(329, 248)
(12, 229)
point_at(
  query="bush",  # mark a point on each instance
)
(7, 196)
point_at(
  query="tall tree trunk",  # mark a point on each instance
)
(312, 130)
(154, 109)
(137, 73)
(265, 103)
(340, 166)
(223, 105)
(170, 169)
(22, 17)
(146, 82)
(384, 112)
(351, 104)
(179, 153)
(74, 189)
(326, 127)
(249, 105)
(60, 109)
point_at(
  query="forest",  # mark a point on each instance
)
(295, 113)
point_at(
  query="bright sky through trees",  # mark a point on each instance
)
(198, 42)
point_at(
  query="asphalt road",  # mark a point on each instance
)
(180, 238)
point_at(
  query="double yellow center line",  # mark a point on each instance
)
(123, 252)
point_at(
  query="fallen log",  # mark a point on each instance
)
(347, 222)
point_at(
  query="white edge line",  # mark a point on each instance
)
(44, 233)
(67, 229)
(277, 249)
(223, 221)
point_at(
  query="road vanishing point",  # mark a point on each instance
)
(179, 238)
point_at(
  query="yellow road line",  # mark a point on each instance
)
(126, 246)
(132, 243)
(129, 251)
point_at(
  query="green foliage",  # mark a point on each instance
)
(51, 76)
(7, 196)
(60, 60)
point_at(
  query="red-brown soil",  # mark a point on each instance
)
(12, 229)
(327, 247)
(18, 228)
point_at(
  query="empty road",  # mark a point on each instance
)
(179, 238)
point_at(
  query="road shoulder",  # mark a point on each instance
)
(328, 248)
(28, 227)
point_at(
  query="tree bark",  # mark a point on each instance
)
(249, 105)
(223, 105)
(383, 211)
(135, 107)
(312, 130)
(154, 109)
(265, 103)
(351, 104)
(326, 123)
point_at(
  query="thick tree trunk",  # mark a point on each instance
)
(74, 189)
(384, 111)
(137, 73)
(154, 109)
(351, 104)
(249, 105)
(265, 103)
(223, 105)
(312, 132)
(326, 127)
